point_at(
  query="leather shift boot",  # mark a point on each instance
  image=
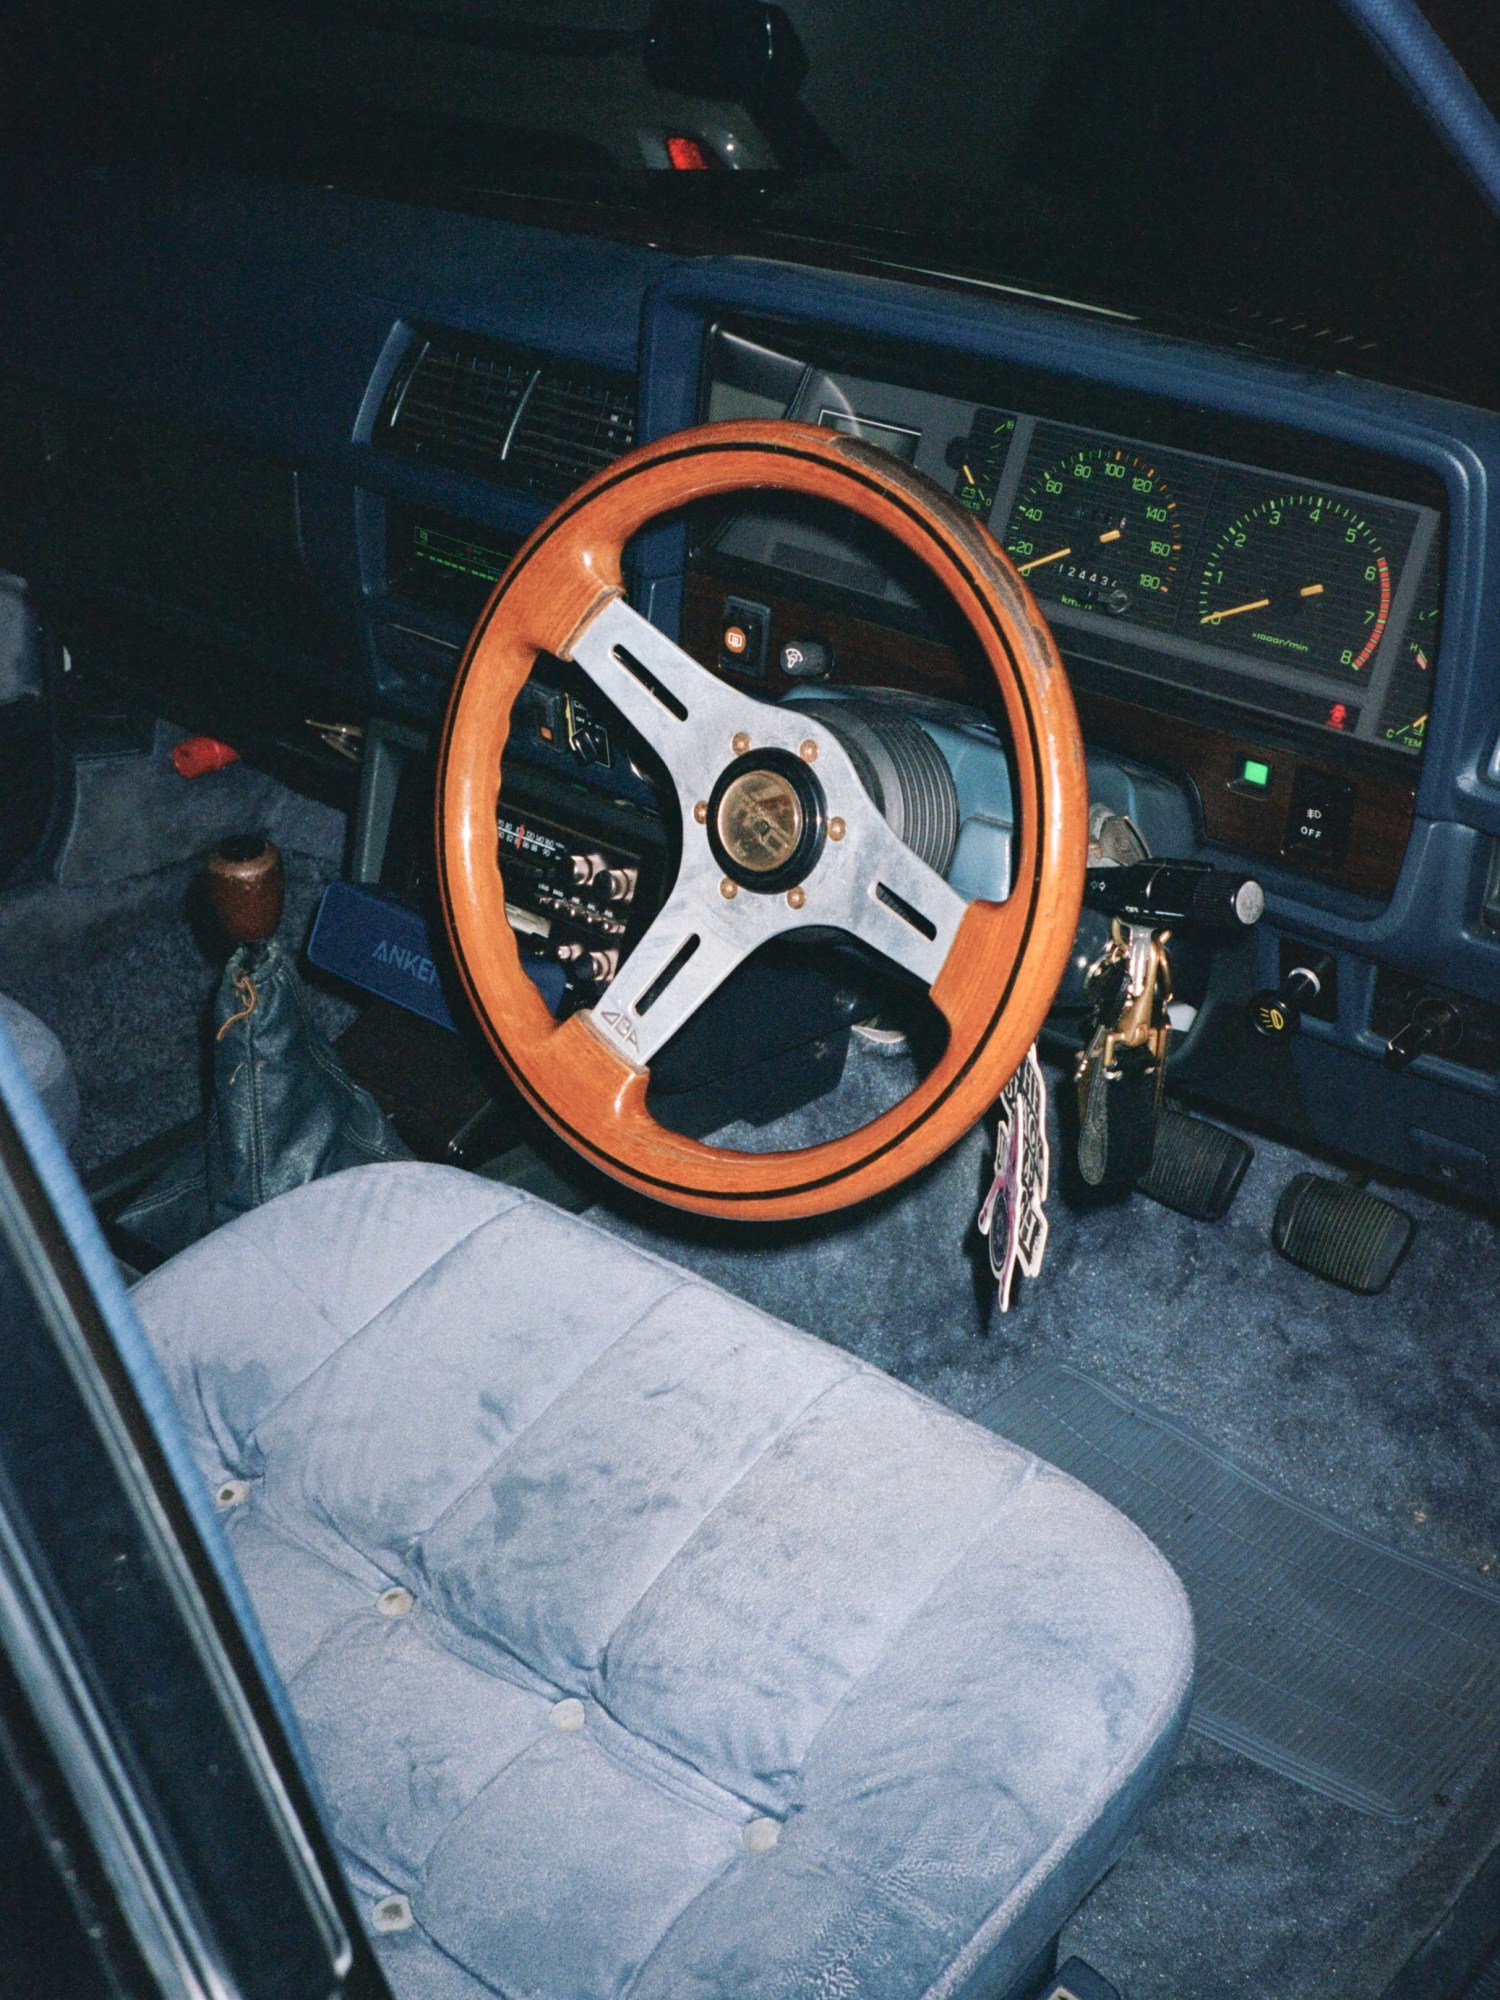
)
(283, 1110)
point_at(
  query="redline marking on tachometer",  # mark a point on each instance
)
(1378, 628)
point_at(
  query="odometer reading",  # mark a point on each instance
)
(1098, 529)
(1302, 576)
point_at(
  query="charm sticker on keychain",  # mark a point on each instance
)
(1014, 1215)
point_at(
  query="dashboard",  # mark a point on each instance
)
(234, 483)
(1268, 607)
(1270, 588)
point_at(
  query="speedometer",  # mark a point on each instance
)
(1097, 528)
(1302, 576)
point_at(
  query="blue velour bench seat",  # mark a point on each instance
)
(643, 1645)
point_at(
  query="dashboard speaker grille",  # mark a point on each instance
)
(518, 419)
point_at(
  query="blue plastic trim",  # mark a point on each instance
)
(1420, 60)
(381, 944)
(76, 1220)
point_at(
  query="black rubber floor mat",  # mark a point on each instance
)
(1367, 1675)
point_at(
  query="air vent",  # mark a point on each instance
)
(575, 421)
(516, 418)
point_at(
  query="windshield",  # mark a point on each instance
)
(1249, 168)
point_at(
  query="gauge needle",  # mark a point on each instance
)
(1111, 534)
(1039, 562)
(1218, 617)
(969, 475)
(1311, 590)
(1420, 723)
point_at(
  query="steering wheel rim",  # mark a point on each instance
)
(563, 595)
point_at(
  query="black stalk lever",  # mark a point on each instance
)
(1169, 894)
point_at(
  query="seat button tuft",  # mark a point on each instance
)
(568, 1714)
(392, 1913)
(759, 1836)
(232, 1493)
(395, 1602)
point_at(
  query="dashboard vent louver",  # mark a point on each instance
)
(574, 422)
(502, 414)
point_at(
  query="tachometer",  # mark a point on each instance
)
(1097, 528)
(1302, 576)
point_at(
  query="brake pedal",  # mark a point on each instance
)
(1196, 1167)
(1341, 1232)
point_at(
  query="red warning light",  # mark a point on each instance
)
(1337, 716)
(690, 155)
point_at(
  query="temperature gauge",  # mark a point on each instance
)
(1404, 722)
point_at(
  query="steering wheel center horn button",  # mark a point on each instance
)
(766, 821)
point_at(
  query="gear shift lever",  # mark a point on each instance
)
(247, 886)
(282, 1110)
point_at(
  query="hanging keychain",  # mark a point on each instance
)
(1013, 1214)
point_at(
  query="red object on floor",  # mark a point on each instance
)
(195, 755)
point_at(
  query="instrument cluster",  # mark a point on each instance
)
(1332, 593)
(1230, 559)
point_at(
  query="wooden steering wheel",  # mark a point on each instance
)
(778, 834)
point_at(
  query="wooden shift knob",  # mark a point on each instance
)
(246, 883)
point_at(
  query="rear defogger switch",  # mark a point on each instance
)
(744, 636)
(1317, 825)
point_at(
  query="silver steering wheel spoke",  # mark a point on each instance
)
(778, 834)
(685, 713)
(871, 885)
(686, 953)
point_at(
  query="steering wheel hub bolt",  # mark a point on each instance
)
(808, 751)
(740, 743)
(729, 890)
(835, 829)
(796, 898)
(700, 812)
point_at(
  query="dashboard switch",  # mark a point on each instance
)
(1276, 1012)
(1435, 1027)
(1322, 808)
(1252, 776)
(806, 660)
(744, 636)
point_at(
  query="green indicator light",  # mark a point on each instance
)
(1253, 772)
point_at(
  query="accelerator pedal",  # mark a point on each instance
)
(1196, 1168)
(1341, 1232)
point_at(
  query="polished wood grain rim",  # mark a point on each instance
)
(1007, 959)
